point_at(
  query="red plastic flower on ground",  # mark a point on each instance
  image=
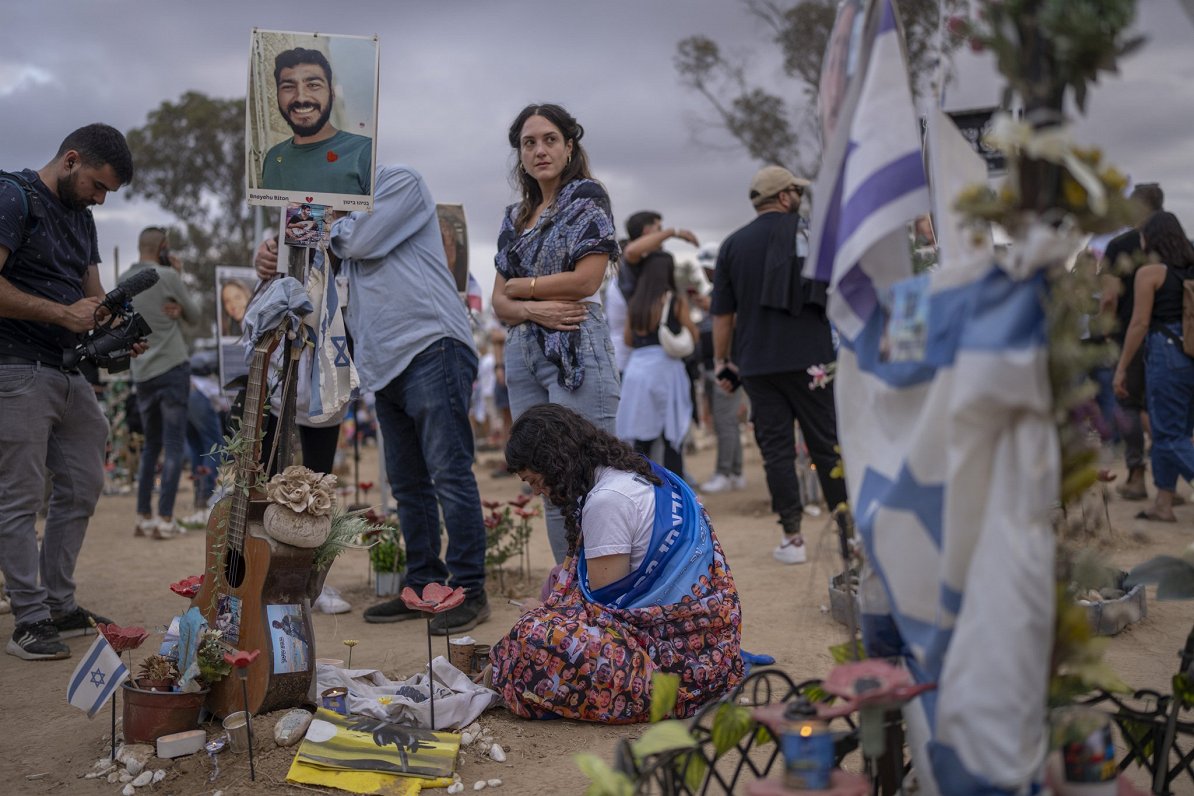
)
(491, 504)
(187, 587)
(241, 658)
(521, 501)
(122, 639)
(436, 598)
(869, 684)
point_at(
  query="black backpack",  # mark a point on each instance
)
(35, 211)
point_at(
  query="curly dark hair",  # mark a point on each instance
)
(566, 450)
(577, 168)
(101, 145)
(1163, 236)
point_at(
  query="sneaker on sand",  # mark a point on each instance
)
(791, 551)
(157, 528)
(196, 520)
(330, 602)
(470, 613)
(79, 622)
(37, 641)
(720, 482)
(391, 611)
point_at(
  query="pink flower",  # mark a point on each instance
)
(436, 598)
(491, 504)
(493, 521)
(957, 26)
(241, 658)
(822, 375)
(976, 45)
(520, 501)
(122, 638)
(526, 514)
(187, 587)
(866, 684)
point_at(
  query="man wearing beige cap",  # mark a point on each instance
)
(769, 329)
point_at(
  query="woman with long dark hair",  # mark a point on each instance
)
(656, 396)
(645, 586)
(1169, 371)
(554, 249)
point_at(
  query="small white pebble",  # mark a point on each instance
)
(497, 753)
(466, 738)
(493, 783)
(159, 775)
(134, 766)
(125, 777)
(129, 790)
(143, 779)
(479, 785)
(456, 787)
(113, 778)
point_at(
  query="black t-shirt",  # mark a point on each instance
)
(765, 340)
(1126, 244)
(52, 265)
(1167, 306)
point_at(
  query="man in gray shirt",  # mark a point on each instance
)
(162, 376)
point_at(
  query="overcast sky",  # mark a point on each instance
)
(454, 73)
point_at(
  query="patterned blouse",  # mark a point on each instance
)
(579, 223)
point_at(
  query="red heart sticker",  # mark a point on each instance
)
(332, 156)
(310, 198)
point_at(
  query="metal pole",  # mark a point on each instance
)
(430, 676)
(244, 690)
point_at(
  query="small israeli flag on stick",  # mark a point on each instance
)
(96, 677)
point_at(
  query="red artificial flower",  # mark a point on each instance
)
(520, 501)
(526, 514)
(866, 684)
(365, 486)
(332, 156)
(436, 598)
(957, 26)
(492, 521)
(122, 638)
(187, 587)
(241, 658)
(491, 504)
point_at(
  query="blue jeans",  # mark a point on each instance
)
(533, 380)
(423, 415)
(1169, 374)
(203, 431)
(162, 401)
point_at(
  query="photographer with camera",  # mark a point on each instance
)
(162, 378)
(50, 292)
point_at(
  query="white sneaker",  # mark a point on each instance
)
(718, 483)
(195, 520)
(791, 551)
(738, 482)
(168, 529)
(812, 510)
(330, 602)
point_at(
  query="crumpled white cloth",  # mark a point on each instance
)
(458, 700)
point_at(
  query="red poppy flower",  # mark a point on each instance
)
(241, 658)
(122, 638)
(365, 486)
(871, 683)
(526, 514)
(332, 156)
(187, 587)
(521, 501)
(492, 521)
(491, 504)
(436, 598)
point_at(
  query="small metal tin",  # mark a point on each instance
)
(335, 699)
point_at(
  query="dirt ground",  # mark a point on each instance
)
(51, 745)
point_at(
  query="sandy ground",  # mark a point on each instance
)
(50, 745)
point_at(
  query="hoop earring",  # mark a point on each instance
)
(569, 159)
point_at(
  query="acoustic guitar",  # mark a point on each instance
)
(255, 588)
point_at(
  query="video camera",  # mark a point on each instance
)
(110, 343)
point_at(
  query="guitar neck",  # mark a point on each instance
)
(248, 462)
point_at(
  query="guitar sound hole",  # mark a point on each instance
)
(234, 568)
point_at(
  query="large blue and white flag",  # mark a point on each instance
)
(332, 380)
(871, 183)
(95, 678)
(947, 437)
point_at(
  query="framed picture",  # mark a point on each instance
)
(455, 231)
(311, 119)
(306, 225)
(234, 288)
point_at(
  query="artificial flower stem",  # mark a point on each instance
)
(244, 691)
(430, 676)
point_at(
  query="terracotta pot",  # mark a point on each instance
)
(161, 684)
(148, 715)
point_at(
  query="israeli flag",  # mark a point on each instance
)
(333, 380)
(948, 443)
(96, 677)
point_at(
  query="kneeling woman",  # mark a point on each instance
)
(645, 587)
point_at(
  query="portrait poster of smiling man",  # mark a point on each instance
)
(311, 119)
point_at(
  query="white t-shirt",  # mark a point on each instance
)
(618, 516)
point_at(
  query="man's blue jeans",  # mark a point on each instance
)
(423, 414)
(163, 404)
(1170, 391)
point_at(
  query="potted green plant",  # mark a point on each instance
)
(386, 556)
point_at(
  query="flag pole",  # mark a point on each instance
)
(113, 728)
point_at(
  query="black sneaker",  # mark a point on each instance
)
(391, 611)
(79, 622)
(470, 613)
(37, 641)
